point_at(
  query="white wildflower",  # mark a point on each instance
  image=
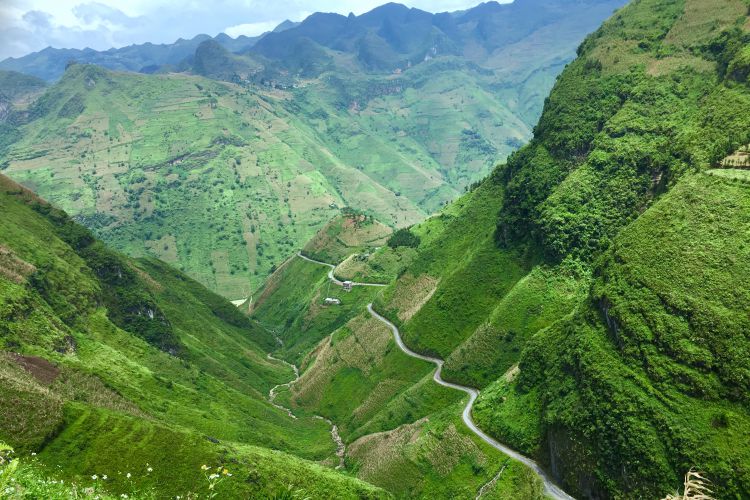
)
(94, 477)
(127, 475)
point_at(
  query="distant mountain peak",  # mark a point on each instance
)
(285, 25)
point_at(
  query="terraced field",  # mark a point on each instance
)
(225, 181)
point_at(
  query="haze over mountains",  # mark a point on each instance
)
(388, 37)
(585, 300)
(394, 112)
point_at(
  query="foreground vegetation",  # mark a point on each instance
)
(111, 365)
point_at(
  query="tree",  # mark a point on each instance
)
(403, 238)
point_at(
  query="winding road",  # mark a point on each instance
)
(333, 268)
(550, 487)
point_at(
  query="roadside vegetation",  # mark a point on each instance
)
(602, 310)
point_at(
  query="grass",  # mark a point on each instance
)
(344, 236)
(403, 431)
(382, 266)
(360, 380)
(671, 379)
(291, 305)
(224, 181)
(536, 301)
(594, 287)
(143, 460)
(695, 486)
(125, 445)
(438, 457)
(600, 311)
(93, 397)
(456, 278)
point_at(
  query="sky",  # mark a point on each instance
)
(31, 25)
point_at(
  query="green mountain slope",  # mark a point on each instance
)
(394, 113)
(593, 287)
(401, 431)
(220, 180)
(112, 365)
(623, 390)
(17, 92)
(648, 377)
(17, 86)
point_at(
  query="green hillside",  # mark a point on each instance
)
(594, 287)
(401, 431)
(17, 93)
(649, 373)
(111, 365)
(224, 181)
(233, 164)
(350, 233)
(606, 311)
(17, 86)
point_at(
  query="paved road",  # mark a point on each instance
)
(550, 488)
(549, 485)
(333, 268)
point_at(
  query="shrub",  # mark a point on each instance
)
(403, 238)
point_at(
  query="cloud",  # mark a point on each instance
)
(31, 25)
(95, 13)
(251, 29)
(38, 19)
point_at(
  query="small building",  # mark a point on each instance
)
(348, 286)
(332, 301)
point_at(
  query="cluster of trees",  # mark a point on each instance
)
(403, 238)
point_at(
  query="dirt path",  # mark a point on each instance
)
(340, 446)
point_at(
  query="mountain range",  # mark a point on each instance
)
(585, 302)
(394, 113)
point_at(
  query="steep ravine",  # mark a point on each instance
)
(340, 446)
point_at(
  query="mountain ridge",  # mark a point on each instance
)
(592, 287)
(315, 130)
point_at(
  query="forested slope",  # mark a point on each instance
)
(640, 372)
